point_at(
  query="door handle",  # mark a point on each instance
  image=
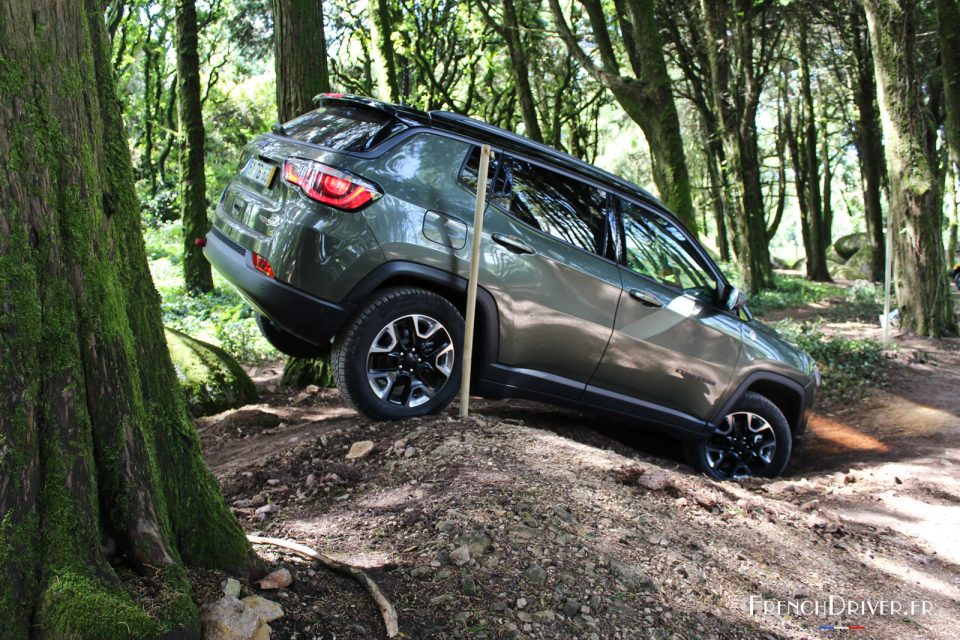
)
(645, 298)
(512, 243)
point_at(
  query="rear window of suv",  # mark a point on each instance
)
(343, 127)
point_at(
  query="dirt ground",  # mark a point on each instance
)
(529, 521)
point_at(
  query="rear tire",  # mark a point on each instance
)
(399, 357)
(752, 440)
(289, 344)
(956, 281)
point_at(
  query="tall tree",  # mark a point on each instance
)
(384, 55)
(923, 296)
(742, 43)
(804, 142)
(509, 29)
(868, 137)
(100, 465)
(948, 28)
(647, 97)
(193, 182)
(300, 55)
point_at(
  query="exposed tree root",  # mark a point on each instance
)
(386, 608)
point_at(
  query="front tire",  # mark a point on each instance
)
(400, 355)
(752, 440)
(956, 280)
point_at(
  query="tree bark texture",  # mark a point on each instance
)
(736, 85)
(384, 54)
(99, 462)
(519, 67)
(647, 97)
(197, 274)
(804, 143)
(923, 296)
(300, 56)
(948, 27)
(868, 138)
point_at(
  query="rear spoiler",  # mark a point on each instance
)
(402, 113)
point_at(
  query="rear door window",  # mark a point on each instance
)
(343, 127)
(471, 169)
(562, 207)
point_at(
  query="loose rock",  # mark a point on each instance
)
(279, 579)
(460, 556)
(360, 449)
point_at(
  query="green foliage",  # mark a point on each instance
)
(863, 302)
(220, 317)
(792, 291)
(847, 366)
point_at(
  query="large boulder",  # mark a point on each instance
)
(210, 378)
(850, 244)
(857, 267)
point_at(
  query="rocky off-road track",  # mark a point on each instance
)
(535, 522)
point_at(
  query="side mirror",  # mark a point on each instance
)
(733, 298)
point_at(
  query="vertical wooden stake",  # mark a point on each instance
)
(887, 277)
(472, 282)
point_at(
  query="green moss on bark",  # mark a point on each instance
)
(210, 379)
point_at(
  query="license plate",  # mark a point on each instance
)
(259, 172)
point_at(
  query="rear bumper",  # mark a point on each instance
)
(299, 313)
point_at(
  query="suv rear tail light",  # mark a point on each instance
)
(328, 185)
(262, 265)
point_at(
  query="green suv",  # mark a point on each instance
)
(349, 228)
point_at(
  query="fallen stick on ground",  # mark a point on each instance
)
(386, 608)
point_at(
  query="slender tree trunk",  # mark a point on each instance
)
(519, 67)
(146, 160)
(647, 98)
(300, 56)
(718, 191)
(193, 183)
(384, 56)
(736, 92)
(101, 464)
(926, 305)
(868, 139)
(948, 26)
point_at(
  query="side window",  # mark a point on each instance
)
(555, 204)
(656, 248)
(471, 169)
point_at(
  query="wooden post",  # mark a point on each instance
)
(887, 277)
(484, 169)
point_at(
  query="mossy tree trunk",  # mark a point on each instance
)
(804, 142)
(384, 54)
(99, 462)
(193, 183)
(300, 52)
(923, 296)
(868, 138)
(948, 27)
(742, 40)
(509, 29)
(647, 97)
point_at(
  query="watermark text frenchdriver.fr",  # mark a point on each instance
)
(838, 606)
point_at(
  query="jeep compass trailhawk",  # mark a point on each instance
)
(349, 228)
